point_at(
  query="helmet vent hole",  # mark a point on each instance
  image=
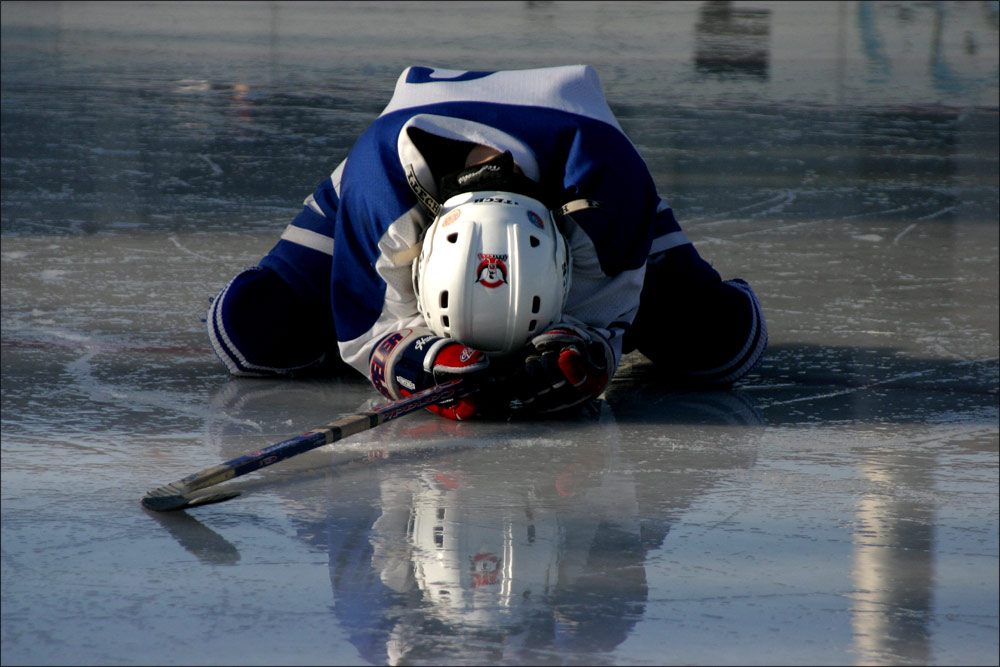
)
(443, 299)
(534, 241)
(444, 321)
(536, 305)
(532, 324)
(453, 237)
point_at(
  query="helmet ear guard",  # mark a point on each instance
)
(493, 271)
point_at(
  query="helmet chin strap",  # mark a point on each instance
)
(423, 195)
(569, 208)
(477, 156)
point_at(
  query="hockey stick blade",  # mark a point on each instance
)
(180, 494)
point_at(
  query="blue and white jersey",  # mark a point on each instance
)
(359, 232)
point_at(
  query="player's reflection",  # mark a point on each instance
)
(545, 558)
(502, 542)
(526, 551)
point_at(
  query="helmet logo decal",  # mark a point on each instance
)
(536, 220)
(485, 569)
(450, 218)
(495, 200)
(492, 270)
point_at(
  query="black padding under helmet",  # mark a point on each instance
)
(498, 173)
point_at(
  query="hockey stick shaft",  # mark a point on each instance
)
(177, 495)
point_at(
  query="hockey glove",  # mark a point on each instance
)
(410, 360)
(565, 367)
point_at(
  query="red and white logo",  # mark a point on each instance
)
(485, 569)
(450, 218)
(492, 270)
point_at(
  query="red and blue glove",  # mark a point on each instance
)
(565, 367)
(410, 360)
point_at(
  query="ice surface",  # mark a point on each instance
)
(838, 506)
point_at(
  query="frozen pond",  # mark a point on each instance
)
(839, 506)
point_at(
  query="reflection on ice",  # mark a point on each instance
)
(502, 543)
(459, 559)
(508, 543)
(732, 41)
(501, 566)
(893, 568)
(204, 543)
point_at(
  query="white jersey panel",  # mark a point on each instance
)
(572, 88)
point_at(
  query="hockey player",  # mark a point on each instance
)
(498, 226)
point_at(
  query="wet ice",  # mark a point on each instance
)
(839, 506)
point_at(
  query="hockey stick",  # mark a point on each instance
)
(179, 495)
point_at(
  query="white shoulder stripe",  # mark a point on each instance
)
(337, 174)
(310, 201)
(668, 241)
(309, 239)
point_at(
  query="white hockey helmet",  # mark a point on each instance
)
(493, 272)
(482, 564)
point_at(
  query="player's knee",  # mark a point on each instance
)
(713, 334)
(259, 326)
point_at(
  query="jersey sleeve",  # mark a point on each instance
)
(379, 228)
(620, 222)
